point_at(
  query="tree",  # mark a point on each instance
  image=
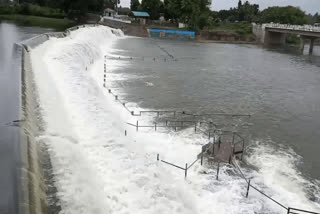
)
(152, 7)
(134, 5)
(284, 15)
(195, 13)
(248, 12)
(239, 4)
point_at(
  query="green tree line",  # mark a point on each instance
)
(250, 13)
(55, 8)
(196, 13)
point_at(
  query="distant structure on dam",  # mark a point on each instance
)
(275, 34)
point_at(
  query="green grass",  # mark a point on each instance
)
(58, 24)
(239, 28)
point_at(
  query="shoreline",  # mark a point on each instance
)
(227, 42)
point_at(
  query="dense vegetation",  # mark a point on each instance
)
(58, 24)
(195, 13)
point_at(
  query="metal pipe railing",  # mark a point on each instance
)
(299, 210)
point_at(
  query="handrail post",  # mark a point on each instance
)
(218, 171)
(233, 138)
(137, 125)
(248, 189)
(157, 157)
(288, 210)
(202, 157)
(242, 149)
(155, 126)
(195, 127)
(213, 149)
(186, 171)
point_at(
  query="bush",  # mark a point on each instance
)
(241, 28)
(292, 39)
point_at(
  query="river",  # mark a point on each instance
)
(279, 87)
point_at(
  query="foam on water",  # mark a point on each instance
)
(99, 170)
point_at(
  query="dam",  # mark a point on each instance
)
(100, 164)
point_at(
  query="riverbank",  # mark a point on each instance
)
(25, 20)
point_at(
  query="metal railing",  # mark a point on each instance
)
(299, 211)
(290, 210)
(187, 166)
(308, 28)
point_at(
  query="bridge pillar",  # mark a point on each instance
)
(302, 43)
(311, 45)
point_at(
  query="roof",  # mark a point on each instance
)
(140, 13)
(109, 10)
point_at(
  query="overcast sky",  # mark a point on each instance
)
(310, 6)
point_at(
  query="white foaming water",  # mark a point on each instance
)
(99, 170)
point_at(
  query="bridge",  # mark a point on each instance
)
(275, 34)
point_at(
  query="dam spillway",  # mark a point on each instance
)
(83, 130)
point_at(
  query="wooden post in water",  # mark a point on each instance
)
(157, 157)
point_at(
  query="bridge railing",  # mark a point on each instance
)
(309, 28)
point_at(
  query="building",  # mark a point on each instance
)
(142, 16)
(109, 12)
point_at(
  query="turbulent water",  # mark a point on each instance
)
(97, 169)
